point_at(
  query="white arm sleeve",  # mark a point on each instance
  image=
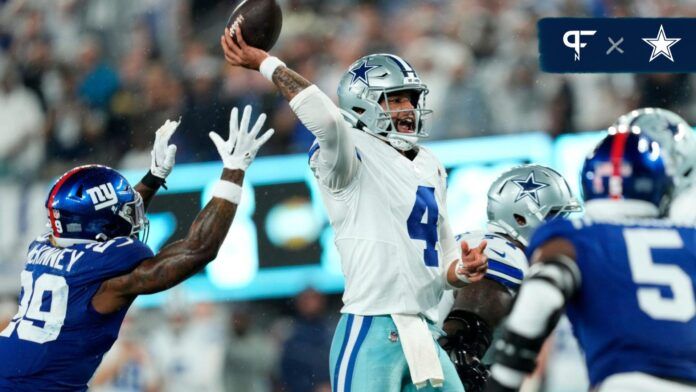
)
(449, 244)
(450, 247)
(337, 154)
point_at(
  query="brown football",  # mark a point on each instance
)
(261, 21)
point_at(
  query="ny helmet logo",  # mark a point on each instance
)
(576, 43)
(103, 196)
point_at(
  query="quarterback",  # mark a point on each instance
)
(385, 197)
(82, 276)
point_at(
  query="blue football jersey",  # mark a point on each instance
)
(56, 340)
(635, 310)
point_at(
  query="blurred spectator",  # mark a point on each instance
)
(669, 91)
(203, 110)
(128, 366)
(22, 136)
(562, 107)
(250, 357)
(304, 361)
(187, 350)
(99, 80)
(464, 111)
(109, 73)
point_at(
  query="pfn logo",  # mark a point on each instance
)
(576, 43)
(103, 196)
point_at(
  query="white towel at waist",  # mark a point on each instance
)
(419, 349)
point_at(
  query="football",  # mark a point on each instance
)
(260, 20)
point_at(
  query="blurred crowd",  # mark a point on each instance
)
(91, 80)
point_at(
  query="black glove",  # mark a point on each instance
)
(467, 341)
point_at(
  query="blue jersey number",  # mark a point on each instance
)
(425, 207)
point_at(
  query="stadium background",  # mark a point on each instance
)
(89, 81)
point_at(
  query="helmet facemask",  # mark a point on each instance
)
(390, 120)
(134, 213)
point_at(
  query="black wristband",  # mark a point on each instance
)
(153, 182)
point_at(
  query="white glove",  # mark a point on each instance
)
(162, 152)
(240, 149)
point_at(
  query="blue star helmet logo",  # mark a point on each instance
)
(360, 72)
(672, 127)
(529, 188)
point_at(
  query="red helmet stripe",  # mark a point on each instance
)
(617, 153)
(52, 196)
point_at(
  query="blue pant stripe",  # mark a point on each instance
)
(349, 325)
(364, 328)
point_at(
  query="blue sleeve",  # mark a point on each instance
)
(115, 257)
(507, 275)
(556, 228)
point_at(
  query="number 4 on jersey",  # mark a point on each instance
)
(425, 209)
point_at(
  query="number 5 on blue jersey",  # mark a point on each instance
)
(425, 206)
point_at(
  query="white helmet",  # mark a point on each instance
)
(673, 134)
(523, 197)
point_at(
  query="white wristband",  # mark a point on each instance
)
(269, 65)
(228, 190)
(462, 278)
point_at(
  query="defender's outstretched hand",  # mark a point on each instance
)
(239, 53)
(163, 153)
(240, 149)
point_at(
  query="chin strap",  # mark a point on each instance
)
(402, 142)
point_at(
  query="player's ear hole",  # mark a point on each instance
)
(358, 110)
(520, 219)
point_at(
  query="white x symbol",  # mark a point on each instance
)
(615, 45)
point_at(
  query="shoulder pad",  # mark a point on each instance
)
(507, 264)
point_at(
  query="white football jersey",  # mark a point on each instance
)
(682, 208)
(507, 264)
(391, 229)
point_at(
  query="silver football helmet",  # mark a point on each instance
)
(523, 197)
(367, 82)
(673, 134)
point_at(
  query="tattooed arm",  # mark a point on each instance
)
(181, 259)
(177, 261)
(336, 163)
(289, 82)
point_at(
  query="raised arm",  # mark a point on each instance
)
(183, 258)
(162, 163)
(337, 154)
